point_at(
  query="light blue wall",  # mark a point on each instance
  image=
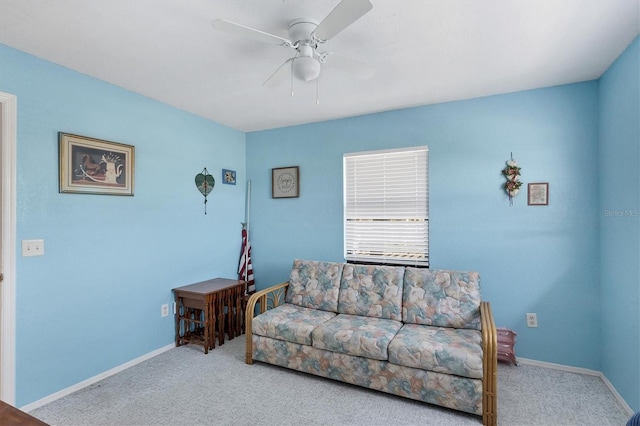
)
(619, 216)
(92, 302)
(531, 259)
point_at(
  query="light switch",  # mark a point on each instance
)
(32, 247)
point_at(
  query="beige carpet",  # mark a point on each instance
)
(184, 386)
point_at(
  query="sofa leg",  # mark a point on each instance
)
(248, 355)
(489, 419)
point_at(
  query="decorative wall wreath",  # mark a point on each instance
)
(513, 183)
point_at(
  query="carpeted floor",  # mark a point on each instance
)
(183, 386)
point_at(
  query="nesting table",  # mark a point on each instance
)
(207, 309)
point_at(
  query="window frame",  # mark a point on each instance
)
(374, 217)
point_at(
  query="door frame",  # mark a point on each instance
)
(8, 142)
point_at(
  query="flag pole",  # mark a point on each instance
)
(248, 206)
(247, 218)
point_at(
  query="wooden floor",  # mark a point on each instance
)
(12, 416)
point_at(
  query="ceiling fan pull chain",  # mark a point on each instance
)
(291, 73)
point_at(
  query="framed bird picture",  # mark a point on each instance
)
(95, 166)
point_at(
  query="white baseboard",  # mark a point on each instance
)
(562, 367)
(615, 393)
(83, 384)
(586, 371)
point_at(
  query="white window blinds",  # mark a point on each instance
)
(386, 208)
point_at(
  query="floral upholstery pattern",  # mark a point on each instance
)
(408, 331)
(444, 350)
(441, 298)
(458, 393)
(371, 290)
(314, 284)
(356, 335)
(290, 322)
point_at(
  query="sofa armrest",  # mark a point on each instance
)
(489, 366)
(268, 298)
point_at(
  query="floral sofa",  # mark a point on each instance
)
(419, 333)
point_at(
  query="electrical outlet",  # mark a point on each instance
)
(33, 247)
(164, 310)
(532, 320)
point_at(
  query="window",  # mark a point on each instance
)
(386, 208)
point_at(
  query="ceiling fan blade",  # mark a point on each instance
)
(360, 69)
(279, 75)
(343, 15)
(241, 30)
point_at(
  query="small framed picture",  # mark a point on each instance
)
(95, 166)
(228, 177)
(538, 194)
(285, 182)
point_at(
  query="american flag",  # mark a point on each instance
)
(245, 270)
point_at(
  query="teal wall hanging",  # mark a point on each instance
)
(205, 183)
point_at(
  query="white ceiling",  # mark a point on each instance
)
(425, 52)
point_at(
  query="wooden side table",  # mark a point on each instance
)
(200, 311)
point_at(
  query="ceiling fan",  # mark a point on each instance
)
(305, 36)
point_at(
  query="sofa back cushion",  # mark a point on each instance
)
(371, 290)
(441, 298)
(314, 284)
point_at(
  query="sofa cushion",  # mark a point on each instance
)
(314, 284)
(443, 350)
(441, 298)
(291, 323)
(356, 335)
(371, 290)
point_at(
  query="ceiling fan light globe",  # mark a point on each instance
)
(306, 68)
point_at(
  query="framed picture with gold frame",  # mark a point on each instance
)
(285, 182)
(95, 166)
